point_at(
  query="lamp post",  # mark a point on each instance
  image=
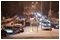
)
(41, 12)
(49, 15)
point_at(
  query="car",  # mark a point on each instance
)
(9, 29)
(55, 24)
(21, 29)
(52, 24)
(18, 28)
(46, 25)
(3, 32)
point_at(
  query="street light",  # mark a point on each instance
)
(3, 17)
(32, 2)
(41, 12)
(36, 2)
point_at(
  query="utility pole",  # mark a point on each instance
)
(41, 12)
(49, 15)
(37, 11)
(50, 9)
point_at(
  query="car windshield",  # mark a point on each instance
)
(8, 27)
(44, 22)
(17, 26)
(47, 22)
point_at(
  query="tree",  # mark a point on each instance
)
(21, 9)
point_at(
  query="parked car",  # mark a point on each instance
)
(3, 33)
(9, 30)
(55, 24)
(46, 25)
(18, 28)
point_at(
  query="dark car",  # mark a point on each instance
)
(3, 33)
(9, 29)
(21, 29)
(55, 25)
(17, 29)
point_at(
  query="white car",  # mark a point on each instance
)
(46, 25)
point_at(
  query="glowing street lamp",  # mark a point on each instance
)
(32, 2)
(3, 17)
(36, 2)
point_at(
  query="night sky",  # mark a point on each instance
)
(14, 7)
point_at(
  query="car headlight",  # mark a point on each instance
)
(57, 26)
(43, 24)
(20, 29)
(49, 24)
(48, 21)
(9, 31)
